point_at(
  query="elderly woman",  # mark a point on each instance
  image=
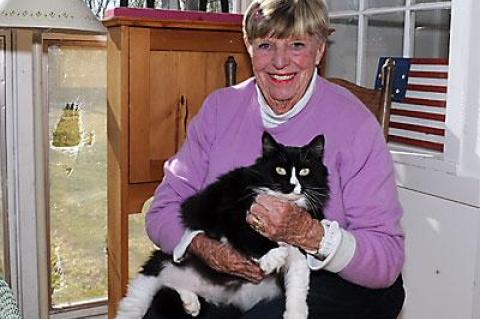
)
(355, 275)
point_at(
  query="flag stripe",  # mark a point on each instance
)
(417, 135)
(428, 81)
(427, 88)
(426, 74)
(429, 68)
(422, 115)
(417, 107)
(418, 128)
(416, 121)
(426, 95)
(428, 61)
(435, 103)
(410, 141)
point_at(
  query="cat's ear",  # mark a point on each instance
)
(317, 145)
(268, 143)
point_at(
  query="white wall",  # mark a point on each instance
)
(442, 257)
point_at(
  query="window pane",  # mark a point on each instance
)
(384, 38)
(77, 173)
(342, 49)
(3, 161)
(429, 1)
(335, 5)
(432, 34)
(385, 3)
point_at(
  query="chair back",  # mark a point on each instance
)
(379, 101)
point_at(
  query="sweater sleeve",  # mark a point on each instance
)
(372, 210)
(184, 174)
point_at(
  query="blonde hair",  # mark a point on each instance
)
(285, 18)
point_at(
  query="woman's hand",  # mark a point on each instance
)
(224, 258)
(283, 221)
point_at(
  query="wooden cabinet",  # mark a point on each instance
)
(161, 66)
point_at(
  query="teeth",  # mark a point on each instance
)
(282, 77)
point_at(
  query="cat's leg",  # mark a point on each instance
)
(297, 281)
(273, 260)
(139, 296)
(190, 301)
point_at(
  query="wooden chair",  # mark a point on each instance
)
(377, 101)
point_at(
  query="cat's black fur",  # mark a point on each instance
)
(220, 209)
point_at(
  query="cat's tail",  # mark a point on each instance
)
(139, 297)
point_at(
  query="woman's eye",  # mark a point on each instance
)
(281, 170)
(298, 45)
(304, 172)
(264, 46)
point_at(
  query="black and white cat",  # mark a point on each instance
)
(293, 173)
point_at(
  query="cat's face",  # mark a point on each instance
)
(295, 173)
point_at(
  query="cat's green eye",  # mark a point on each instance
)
(304, 172)
(280, 170)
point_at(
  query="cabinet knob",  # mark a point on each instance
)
(230, 71)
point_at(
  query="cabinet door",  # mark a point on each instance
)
(167, 90)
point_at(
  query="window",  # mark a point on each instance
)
(3, 151)
(77, 171)
(398, 28)
(77, 167)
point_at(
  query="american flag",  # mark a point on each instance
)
(419, 100)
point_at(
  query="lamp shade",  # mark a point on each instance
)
(56, 15)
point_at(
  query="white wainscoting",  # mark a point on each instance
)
(442, 257)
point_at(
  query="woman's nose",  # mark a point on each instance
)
(280, 58)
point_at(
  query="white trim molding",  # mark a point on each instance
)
(23, 182)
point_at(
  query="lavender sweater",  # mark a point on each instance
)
(226, 133)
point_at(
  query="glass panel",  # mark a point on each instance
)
(335, 5)
(385, 3)
(432, 34)
(3, 161)
(212, 5)
(384, 38)
(342, 49)
(139, 246)
(428, 1)
(77, 171)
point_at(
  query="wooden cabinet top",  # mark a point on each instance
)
(157, 18)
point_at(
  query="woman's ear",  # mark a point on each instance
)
(248, 45)
(320, 52)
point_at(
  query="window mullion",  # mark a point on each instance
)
(361, 43)
(409, 30)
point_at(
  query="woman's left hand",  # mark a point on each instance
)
(283, 221)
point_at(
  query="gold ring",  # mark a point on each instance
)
(257, 228)
(257, 224)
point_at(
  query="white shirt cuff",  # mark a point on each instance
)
(181, 248)
(337, 249)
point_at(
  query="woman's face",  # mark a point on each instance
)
(283, 68)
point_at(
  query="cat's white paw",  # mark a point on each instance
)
(295, 314)
(191, 304)
(273, 260)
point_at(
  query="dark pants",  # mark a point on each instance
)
(330, 297)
